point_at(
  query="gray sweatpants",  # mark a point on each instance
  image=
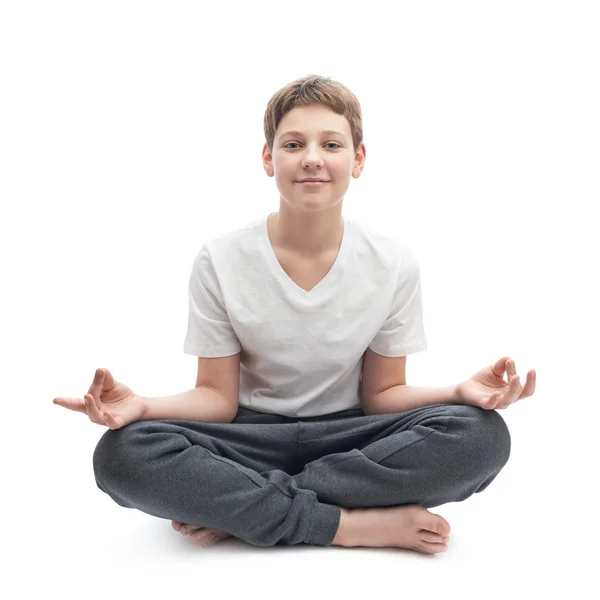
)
(272, 480)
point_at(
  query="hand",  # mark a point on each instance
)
(488, 389)
(107, 402)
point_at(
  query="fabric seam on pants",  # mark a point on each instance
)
(415, 442)
(243, 473)
(298, 443)
(320, 467)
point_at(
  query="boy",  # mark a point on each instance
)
(301, 428)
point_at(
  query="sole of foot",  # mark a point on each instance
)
(201, 536)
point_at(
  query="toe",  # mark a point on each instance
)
(430, 536)
(433, 523)
(439, 525)
(202, 538)
(431, 548)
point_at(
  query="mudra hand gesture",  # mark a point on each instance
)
(108, 402)
(488, 389)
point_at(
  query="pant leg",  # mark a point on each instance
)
(234, 477)
(427, 456)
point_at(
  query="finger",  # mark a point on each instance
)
(92, 410)
(511, 394)
(97, 385)
(529, 387)
(499, 367)
(112, 421)
(514, 390)
(97, 402)
(489, 402)
(511, 369)
(76, 404)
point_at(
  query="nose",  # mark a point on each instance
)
(311, 159)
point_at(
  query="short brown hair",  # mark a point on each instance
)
(314, 89)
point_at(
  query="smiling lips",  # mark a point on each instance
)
(315, 184)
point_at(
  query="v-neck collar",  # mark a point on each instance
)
(330, 277)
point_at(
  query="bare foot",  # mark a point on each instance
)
(412, 527)
(202, 536)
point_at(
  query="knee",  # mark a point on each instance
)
(484, 433)
(114, 453)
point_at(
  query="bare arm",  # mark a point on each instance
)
(401, 398)
(200, 404)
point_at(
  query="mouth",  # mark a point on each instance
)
(313, 183)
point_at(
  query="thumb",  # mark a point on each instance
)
(499, 367)
(108, 381)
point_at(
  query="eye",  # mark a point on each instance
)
(297, 144)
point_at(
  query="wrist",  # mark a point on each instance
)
(145, 402)
(456, 396)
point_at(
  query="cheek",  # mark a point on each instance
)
(287, 169)
(288, 161)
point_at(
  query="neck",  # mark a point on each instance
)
(309, 236)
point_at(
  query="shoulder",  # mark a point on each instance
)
(387, 248)
(230, 247)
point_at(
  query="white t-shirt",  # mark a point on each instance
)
(302, 351)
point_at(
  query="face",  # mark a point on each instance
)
(311, 153)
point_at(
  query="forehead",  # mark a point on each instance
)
(313, 120)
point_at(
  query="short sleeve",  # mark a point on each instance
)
(403, 331)
(209, 330)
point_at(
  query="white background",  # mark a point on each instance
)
(132, 132)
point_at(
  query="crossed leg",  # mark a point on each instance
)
(479, 435)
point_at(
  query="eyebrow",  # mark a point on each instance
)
(328, 131)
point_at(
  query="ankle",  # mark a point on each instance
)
(345, 528)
